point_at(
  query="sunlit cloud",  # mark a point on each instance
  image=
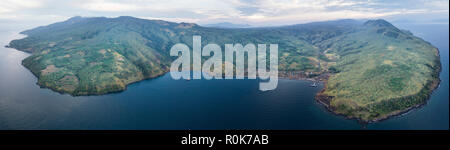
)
(255, 12)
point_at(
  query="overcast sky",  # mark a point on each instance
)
(253, 12)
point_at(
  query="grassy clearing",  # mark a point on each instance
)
(376, 69)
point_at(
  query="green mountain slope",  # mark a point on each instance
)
(382, 71)
(375, 69)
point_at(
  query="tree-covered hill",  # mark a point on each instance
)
(375, 69)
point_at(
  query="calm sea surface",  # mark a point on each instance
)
(163, 103)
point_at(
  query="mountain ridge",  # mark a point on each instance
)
(368, 63)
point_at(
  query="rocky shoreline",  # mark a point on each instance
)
(320, 97)
(325, 99)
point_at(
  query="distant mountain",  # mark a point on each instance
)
(227, 25)
(374, 70)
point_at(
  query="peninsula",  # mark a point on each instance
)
(371, 69)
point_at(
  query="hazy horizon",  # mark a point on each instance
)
(32, 13)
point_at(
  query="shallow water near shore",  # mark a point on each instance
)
(164, 103)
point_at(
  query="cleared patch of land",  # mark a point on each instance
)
(373, 70)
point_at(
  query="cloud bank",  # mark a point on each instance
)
(254, 12)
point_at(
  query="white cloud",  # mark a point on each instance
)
(256, 12)
(15, 5)
(109, 6)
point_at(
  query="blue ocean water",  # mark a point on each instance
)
(164, 103)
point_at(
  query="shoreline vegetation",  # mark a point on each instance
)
(423, 96)
(371, 70)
